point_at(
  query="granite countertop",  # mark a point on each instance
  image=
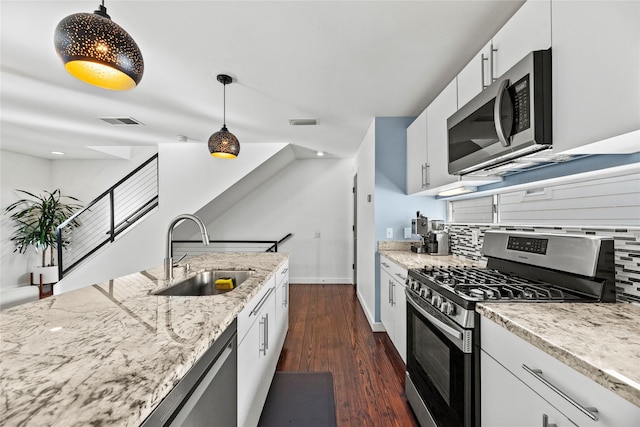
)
(109, 353)
(601, 341)
(400, 253)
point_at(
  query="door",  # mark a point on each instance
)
(355, 232)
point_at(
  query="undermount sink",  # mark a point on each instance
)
(203, 283)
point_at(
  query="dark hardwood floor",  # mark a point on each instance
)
(328, 331)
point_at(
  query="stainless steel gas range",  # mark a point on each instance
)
(443, 369)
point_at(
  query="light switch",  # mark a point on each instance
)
(474, 237)
(389, 233)
(407, 232)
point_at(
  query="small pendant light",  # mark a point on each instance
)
(98, 51)
(223, 143)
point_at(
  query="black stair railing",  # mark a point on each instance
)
(109, 215)
(195, 247)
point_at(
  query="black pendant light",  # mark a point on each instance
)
(98, 51)
(223, 143)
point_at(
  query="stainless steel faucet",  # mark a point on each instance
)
(168, 258)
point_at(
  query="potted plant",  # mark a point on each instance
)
(36, 219)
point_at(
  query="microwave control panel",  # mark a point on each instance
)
(521, 102)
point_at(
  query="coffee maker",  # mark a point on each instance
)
(434, 239)
(438, 239)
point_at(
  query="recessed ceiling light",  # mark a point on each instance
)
(302, 122)
(320, 153)
(59, 153)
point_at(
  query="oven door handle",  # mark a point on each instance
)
(435, 321)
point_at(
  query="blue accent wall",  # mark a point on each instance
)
(393, 207)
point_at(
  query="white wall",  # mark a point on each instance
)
(87, 179)
(365, 168)
(23, 173)
(189, 177)
(308, 196)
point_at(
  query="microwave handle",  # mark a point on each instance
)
(497, 108)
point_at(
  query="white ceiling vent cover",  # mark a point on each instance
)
(302, 122)
(121, 121)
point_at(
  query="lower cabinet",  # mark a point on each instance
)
(523, 386)
(393, 304)
(259, 346)
(507, 402)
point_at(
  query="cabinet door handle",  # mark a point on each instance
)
(425, 175)
(385, 264)
(264, 299)
(545, 421)
(482, 60)
(588, 411)
(285, 296)
(264, 322)
(402, 278)
(491, 67)
(393, 291)
(284, 271)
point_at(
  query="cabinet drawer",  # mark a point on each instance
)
(565, 388)
(394, 270)
(282, 273)
(249, 314)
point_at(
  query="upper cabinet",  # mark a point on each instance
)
(437, 136)
(528, 29)
(596, 75)
(475, 76)
(417, 154)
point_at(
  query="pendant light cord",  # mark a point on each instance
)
(224, 105)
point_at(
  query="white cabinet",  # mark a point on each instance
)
(507, 402)
(256, 354)
(535, 378)
(528, 29)
(475, 76)
(393, 304)
(417, 154)
(596, 74)
(437, 170)
(437, 135)
(282, 304)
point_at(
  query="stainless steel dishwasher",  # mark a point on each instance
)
(207, 395)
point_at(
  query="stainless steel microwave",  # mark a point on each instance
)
(509, 119)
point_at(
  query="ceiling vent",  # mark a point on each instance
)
(302, 122)
(121, 121)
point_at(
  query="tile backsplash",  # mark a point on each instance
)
(626, 243)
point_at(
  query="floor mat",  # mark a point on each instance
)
(300, 399)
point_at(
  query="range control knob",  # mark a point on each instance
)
(436, 300)
(448, 308)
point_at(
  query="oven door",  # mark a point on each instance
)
(441, 367)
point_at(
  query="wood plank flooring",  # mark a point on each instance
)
(328, 331)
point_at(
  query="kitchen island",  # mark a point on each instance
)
(109, 353)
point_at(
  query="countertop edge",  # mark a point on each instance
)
(594, 373)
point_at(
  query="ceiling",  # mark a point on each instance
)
(340, 62)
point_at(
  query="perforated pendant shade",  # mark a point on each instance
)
(223, 143)
(98, 51)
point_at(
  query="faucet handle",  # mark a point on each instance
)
(175, 263)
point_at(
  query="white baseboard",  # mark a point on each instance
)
(321, 280)
(375, 326)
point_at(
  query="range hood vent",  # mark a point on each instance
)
(525, 163)
(302, 122)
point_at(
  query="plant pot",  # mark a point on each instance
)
(49, 274)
